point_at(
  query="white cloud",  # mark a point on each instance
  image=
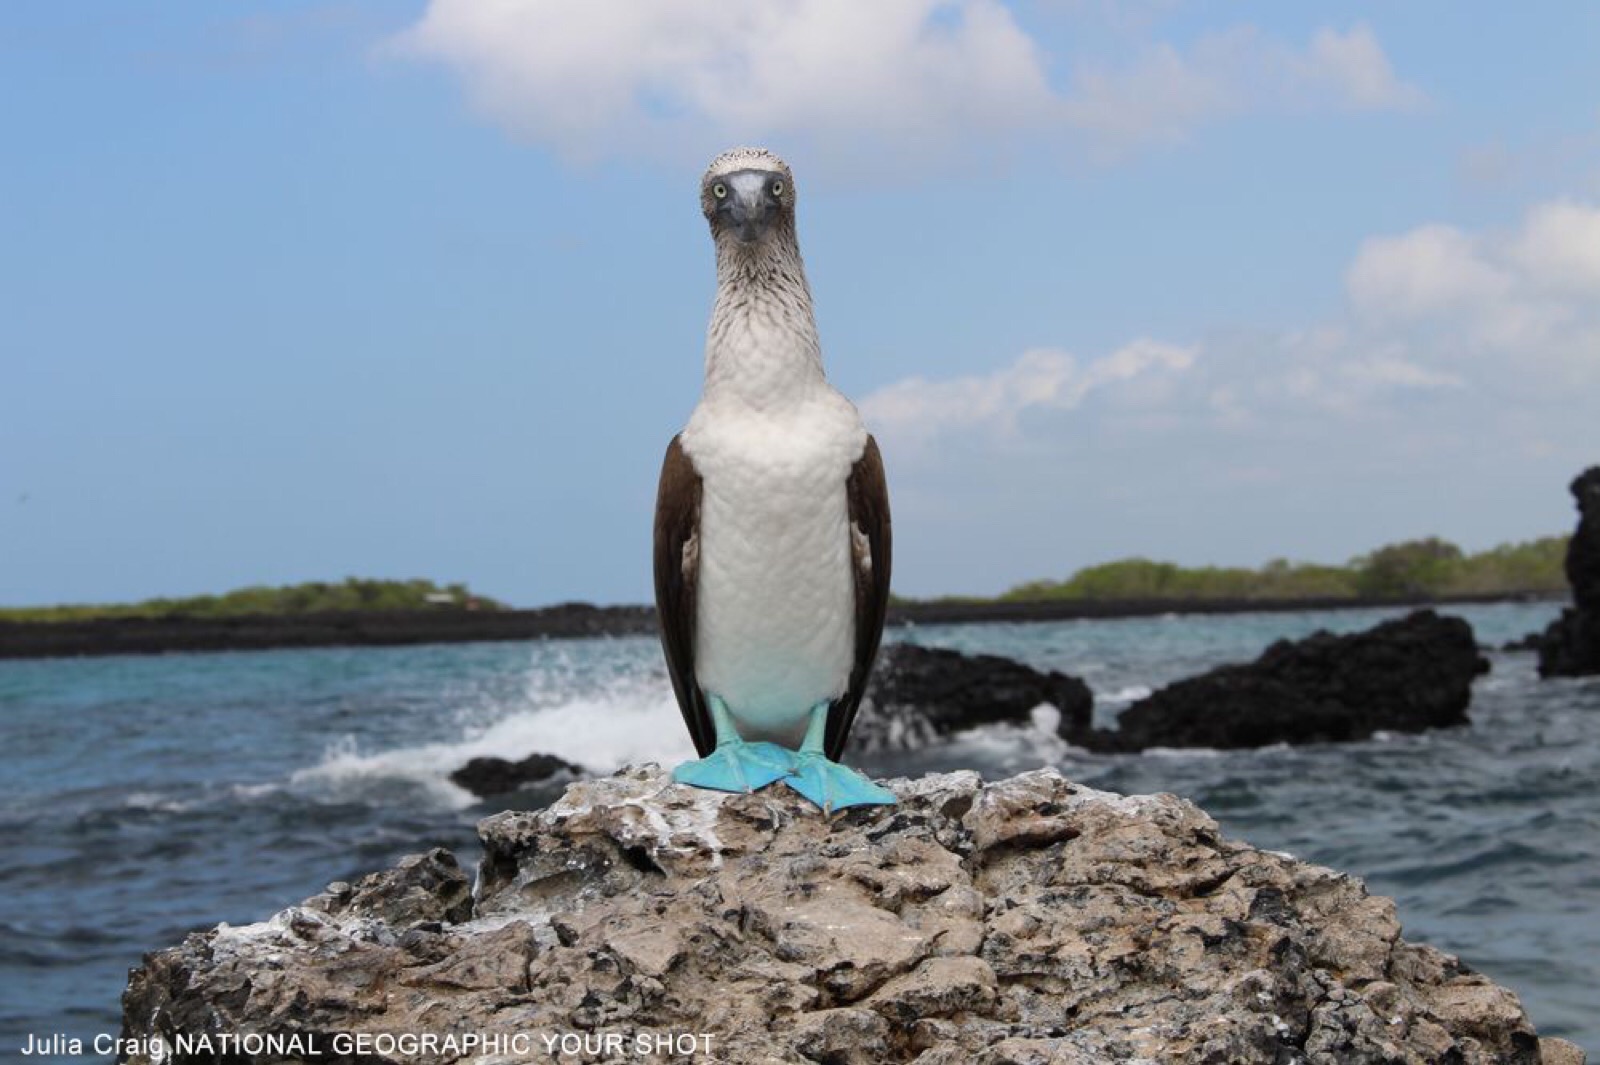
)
(1165, 93)
(1439, 316)
(611, 78)
(1401, 374)
(1042, 379)
(1353, 68)
(1455, 396)
(1161, 97)
(1513, 315)
(1559, 248)
(1431, 270)
(1528, 298)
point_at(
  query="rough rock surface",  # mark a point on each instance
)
(1571, 645)
(1027, 921)
(918, 694)
(499, 776)
(1405, 675)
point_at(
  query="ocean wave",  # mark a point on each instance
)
(1189, 753)
(155, 801)
(252, 792)
(1014, 747)
(602, 731)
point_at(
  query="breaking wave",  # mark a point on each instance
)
(629, 722)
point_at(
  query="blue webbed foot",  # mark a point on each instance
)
(833, 786)
(737, 766)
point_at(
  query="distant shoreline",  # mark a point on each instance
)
(262, 632)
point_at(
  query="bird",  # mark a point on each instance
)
(772, 550)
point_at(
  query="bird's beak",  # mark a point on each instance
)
(750, 221)
(750, 209)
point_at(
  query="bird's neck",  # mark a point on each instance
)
(762, 349)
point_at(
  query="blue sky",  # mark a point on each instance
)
(296, 291)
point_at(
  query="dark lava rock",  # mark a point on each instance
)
(1406, 675)
(918, 694)
(497, 776)
(1531, 642)
(1583, 551)
(1570, 647)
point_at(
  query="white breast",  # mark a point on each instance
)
(776, 595)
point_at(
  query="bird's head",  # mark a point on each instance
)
(746, 194)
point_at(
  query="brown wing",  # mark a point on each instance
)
(677, 566)
(871, 551)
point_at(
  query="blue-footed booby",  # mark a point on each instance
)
(772, 520)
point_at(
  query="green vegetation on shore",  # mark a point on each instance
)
(1417, 568)
(354, 593)
(1430, 568)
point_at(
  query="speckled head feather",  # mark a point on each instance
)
(736, 159)
(747, 159)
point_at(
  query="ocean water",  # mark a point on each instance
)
(145, 797)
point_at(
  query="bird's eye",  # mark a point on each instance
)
(720, 191)
(777, 188)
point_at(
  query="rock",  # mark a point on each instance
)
(919, 694)
(1030, 920)
(1530, 642)
(1583, 550)
(1570, 647)
(1561, 1052)
(1406, 675)
(497, 776)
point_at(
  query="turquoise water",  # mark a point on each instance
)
(143, 798)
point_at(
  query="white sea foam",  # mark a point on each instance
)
(1045, 718)
(600, 731)
(1014, 747)
(149, 800)
(1132, 693)
(1181, 753)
